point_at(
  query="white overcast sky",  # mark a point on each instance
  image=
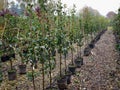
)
(103, 6)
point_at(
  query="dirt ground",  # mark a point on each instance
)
(99, 69)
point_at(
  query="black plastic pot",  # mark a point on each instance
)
(118, 41)
(81, 59)
(79, 62)
(12, 75)
(91, 45)
(72, 68)
(97, 38)
(22, 69)
(87, 51)
(62, 83)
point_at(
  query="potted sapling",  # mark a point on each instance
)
(22, 52)
(71, 66)
(62, 81)
(79, 37)
(22, 66)
(12, 72)
(12, 75)
(67, 73)
(66, 45)
(50, 40)
(32, 57)
(11, 52)
(43, 57)
(79, 59)
(91, 27)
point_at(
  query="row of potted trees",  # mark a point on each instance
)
(39, 34)
(116, 23)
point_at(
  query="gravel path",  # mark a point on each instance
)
(99, 67)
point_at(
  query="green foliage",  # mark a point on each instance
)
(92, 21)
(118, 47)
(30, 75)
(116, 22)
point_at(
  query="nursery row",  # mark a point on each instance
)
(66, 73)
(116, 27)
(78, 62)
(91, 45)
(34, 37)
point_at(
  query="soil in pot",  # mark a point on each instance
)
(62, 83)
(81, 59)
(79, 62)
(12, 75)
(72, 68)
(22, 69)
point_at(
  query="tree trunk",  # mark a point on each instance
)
(65, 65)
(43, 75)
(50, 70)
(72, 56)
(33, 78)
(60, 64)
